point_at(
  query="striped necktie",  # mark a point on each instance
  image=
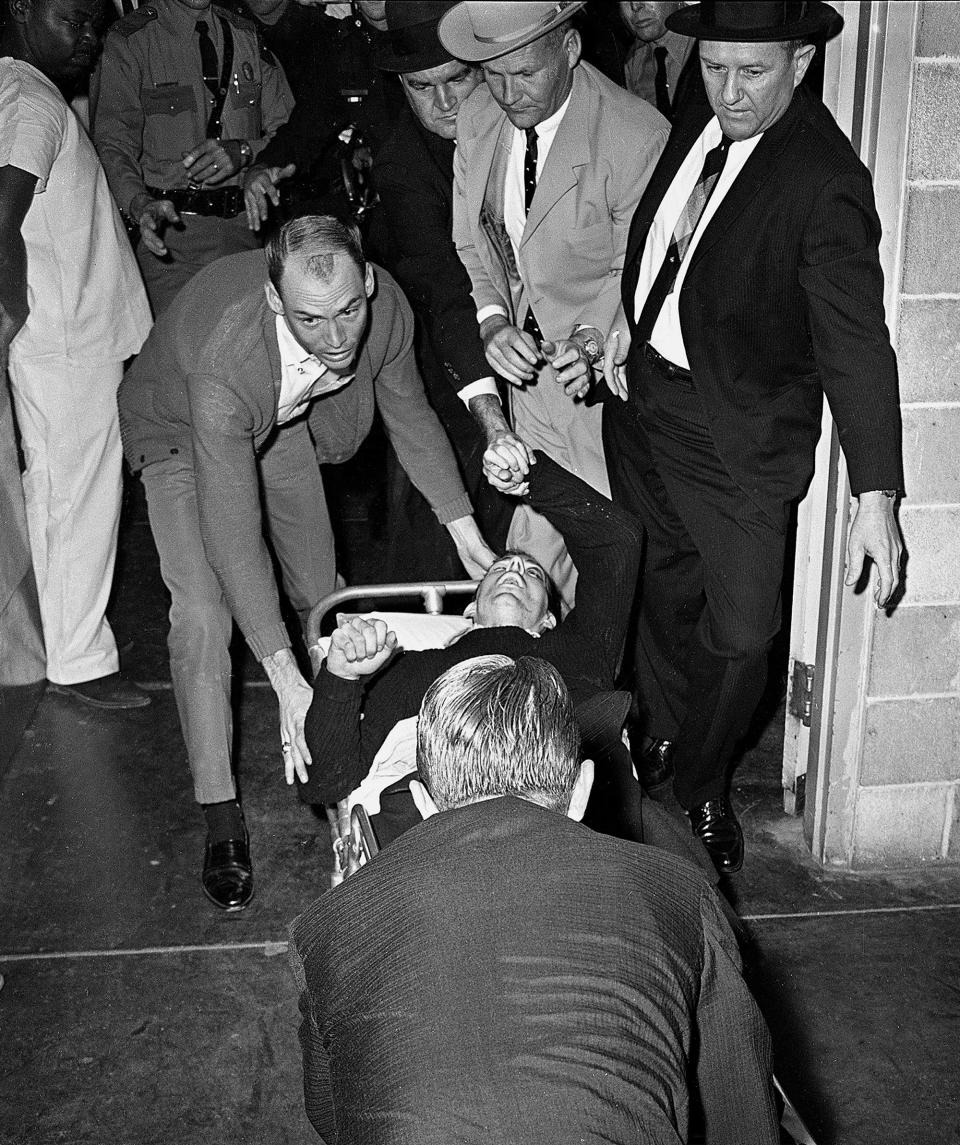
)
(682, 234)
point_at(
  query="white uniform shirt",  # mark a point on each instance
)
(666, 336)
(86, 297)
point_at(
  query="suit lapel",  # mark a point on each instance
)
(682, 138)
(756, 171)
(570, 151)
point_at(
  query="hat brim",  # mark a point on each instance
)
(819, 20)
(457, 35)
(431, 56)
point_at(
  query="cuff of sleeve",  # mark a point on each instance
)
(268, 641)
(334, 689)
(453, 510)
(486, 312)
(477, 388)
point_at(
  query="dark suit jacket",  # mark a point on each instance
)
(414, 172)
(500, 974)
(782, 301)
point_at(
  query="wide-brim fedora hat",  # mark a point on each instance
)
(756, 22)
(410, 43)
(477, 30)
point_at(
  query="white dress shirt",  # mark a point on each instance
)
(302, 376)
(666, 336)
(515, 214)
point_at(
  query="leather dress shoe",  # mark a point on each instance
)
(227, 877)
(654, 762)
(112, 692)
(716, 826)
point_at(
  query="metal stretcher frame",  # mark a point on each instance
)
(354, 840)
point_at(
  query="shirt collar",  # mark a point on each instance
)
(549, 126)
(292, 354)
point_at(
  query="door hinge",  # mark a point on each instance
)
(801, 691)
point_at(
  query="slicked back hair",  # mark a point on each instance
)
(320, 238)
(495, 726)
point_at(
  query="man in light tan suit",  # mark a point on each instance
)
(551, 161)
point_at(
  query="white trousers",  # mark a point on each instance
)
(67, 414)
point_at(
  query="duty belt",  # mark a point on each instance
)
(223, 202)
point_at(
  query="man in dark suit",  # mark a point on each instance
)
(501, 974)
(752, 286)
(414, 176)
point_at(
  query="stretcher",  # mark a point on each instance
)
(353, 837)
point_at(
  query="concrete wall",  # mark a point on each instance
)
(908, 806)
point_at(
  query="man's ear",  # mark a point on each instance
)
(470, 612)
(580, 795)
(19, 10)
(549, 621)
(423, 799)
(274, 301)
(574, 48)
(804, 58)
(369, 281)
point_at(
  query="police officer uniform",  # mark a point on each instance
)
(157, 94)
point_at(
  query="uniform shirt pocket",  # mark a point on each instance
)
(174, 99)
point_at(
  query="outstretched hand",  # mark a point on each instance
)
(260, 190)
(359, 647)
(875, 533)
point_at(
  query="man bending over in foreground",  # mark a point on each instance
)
(501, 974)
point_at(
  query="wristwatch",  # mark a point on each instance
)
(246, 153)
(591, 342)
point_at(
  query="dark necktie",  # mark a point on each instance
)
(683, 232)
(660, 87)
(530, 324)
(530, 169)
(211, 72)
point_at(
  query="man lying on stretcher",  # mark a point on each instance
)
(366, 673)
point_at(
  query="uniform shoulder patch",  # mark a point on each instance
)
(136, 20)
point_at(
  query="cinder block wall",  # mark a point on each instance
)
(908, 805)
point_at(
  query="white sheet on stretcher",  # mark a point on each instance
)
(398, 752)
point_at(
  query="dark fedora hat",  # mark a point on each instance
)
(758, 22)
(410, 43)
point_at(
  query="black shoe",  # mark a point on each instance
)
(654, 762)
(228, 873)
(716, 826)
(111, 692)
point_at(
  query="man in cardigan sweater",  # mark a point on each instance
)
(245, 384)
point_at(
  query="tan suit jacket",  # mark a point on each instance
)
(572, 250)
(569, 262)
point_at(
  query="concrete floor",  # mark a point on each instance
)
(132, 1012)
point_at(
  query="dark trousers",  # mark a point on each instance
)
(709, 603)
